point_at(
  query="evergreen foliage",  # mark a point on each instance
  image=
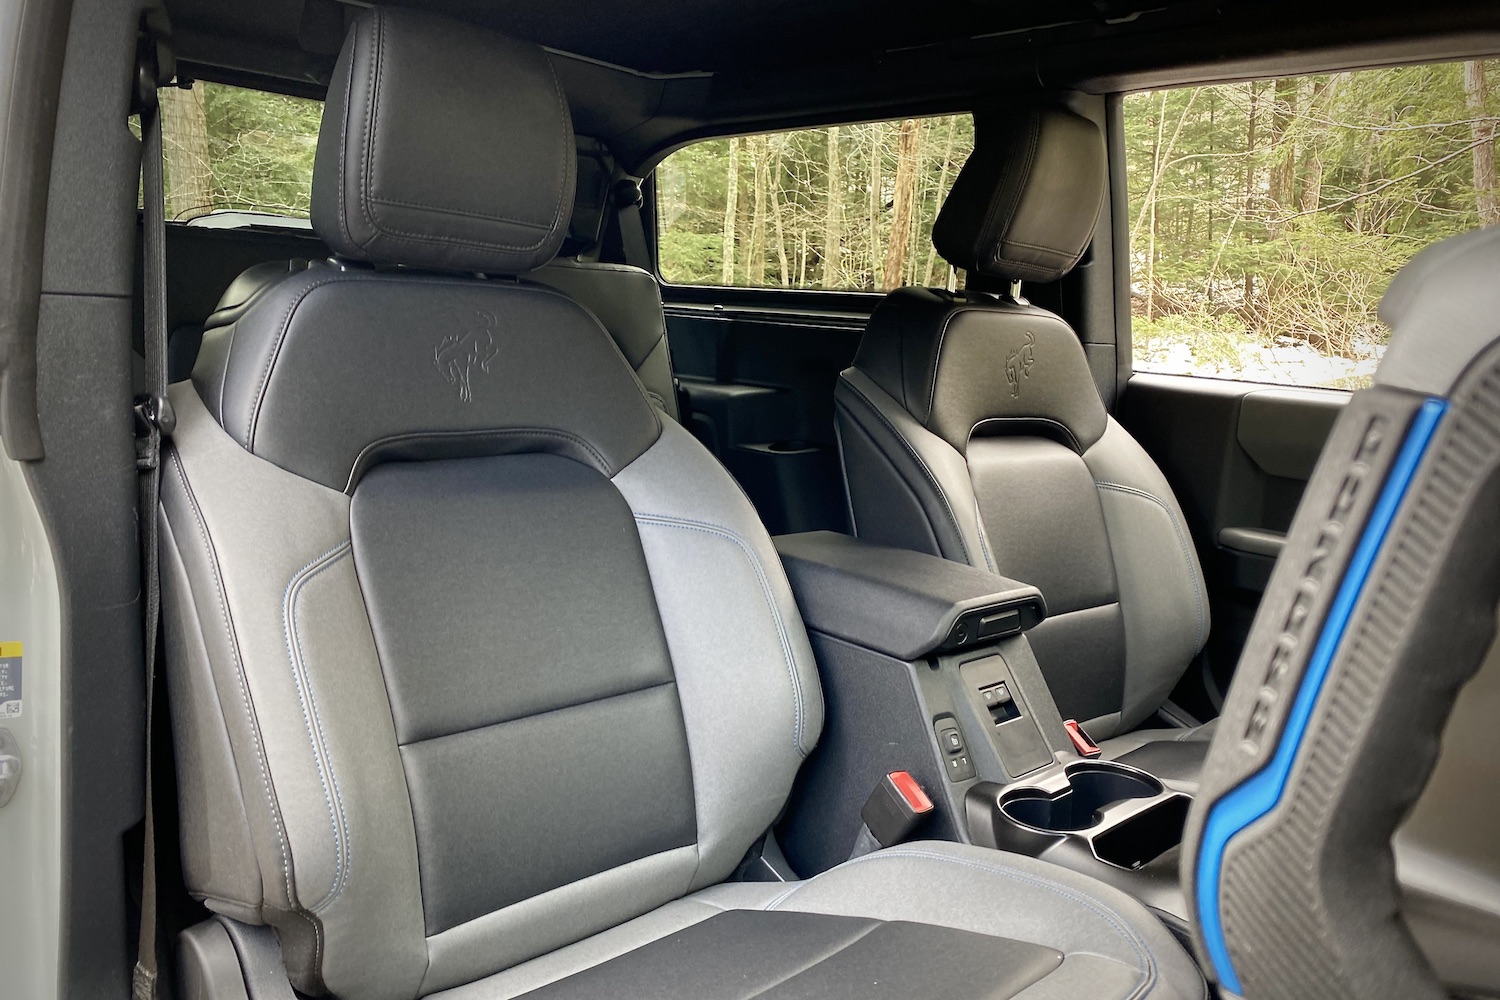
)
(1267, 218)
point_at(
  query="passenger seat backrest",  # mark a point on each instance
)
(971, 428)
(470, 654)
(627, 302)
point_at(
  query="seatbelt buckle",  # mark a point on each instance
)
(894, 808)
(1082, 745)
(155, 420)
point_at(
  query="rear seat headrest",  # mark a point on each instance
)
(443, 146)
(1024, 205)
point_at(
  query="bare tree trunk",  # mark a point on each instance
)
(1311, 194)
(1476, 95)
(942, 192)
(875, 206)
(1250, 174)
(908, 148)
(775, 179)
(1364, 186)
(1161, 157)
(189, 180)
(1156, 158)
(731, 211)
(833, 213)
(755, 264)
(1284, 167)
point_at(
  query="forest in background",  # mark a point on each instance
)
(847, 206)
(1267, 218)
(232, 149)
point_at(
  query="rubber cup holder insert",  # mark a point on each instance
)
(1091, 788)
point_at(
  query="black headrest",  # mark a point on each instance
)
(969, 364)
(443, 146)
(1024, 205)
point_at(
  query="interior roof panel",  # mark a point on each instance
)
(651, 73)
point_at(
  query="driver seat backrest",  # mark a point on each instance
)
(971, 428)
(471, 654)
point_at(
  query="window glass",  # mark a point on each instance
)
(842, 207)
(232, 149)
(1267, 218)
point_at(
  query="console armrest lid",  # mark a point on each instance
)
(898, 602)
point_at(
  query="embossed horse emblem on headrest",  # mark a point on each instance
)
(458, 354)
(1018, 364)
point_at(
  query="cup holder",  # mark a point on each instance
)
(1091, 788)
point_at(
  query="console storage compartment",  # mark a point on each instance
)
(903, 641)
(926, 668)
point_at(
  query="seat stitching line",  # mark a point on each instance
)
(931, 479)
(255, 737)
(480, 727)
(461, 212)
(787, 655)
(937, 355)
(901, 480)
(372, 120)
(322, 757)
(1146, 966)
(1183, 546)
(479, 432)
(984, 542)
(342, 215)
(265, 375)
(814, 963)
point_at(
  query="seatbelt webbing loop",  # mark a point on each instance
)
(627, 198)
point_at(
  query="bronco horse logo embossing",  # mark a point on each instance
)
(1018, 364)
(457, 355)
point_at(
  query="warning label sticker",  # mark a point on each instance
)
(10, 680)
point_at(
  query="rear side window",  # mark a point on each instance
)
(1267, 218)
(232, 149)
(842, 207)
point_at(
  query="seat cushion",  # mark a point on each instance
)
(924, 919)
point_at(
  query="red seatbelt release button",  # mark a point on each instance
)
(1081, 743)
(895, 807)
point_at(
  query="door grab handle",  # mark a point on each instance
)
(1255, 541)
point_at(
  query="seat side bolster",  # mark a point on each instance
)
(266, 556)
(627, 302)
(219, 858)
(908, 488)
(751, 701)
(1162, 592)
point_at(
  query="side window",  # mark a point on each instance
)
(237, 150)
(1267, 218)
(842, 207)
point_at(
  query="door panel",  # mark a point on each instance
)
(758, 378)
(1239, 455)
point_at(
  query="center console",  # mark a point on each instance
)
(926, 668)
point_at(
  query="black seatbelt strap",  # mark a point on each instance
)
(154, 423)
(627, 198)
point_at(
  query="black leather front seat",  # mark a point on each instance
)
(484, 676)
(971, 428)
(626, 301)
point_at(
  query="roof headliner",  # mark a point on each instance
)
(646, 74)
